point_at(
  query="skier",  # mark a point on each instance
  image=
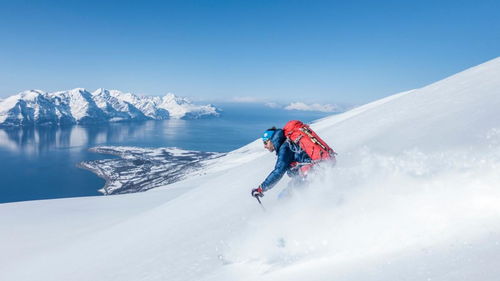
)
(297, 152)
(289, 157)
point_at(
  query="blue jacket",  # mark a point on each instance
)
(287, 153)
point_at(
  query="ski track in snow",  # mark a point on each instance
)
(415, 196)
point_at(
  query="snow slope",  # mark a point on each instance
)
(414, 196)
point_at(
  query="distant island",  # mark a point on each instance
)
(79, 106)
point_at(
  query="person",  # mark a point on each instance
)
(291, 160)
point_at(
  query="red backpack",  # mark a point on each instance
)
(308, 140)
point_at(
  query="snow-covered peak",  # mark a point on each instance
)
(114, 93)
(171, 98)
(9, 102)
(101, 91)
(30, 94)
(26, 107)
(71, 93)
(127, 97)
(77, 90)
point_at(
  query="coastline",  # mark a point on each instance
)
(140, 169)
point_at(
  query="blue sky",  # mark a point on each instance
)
(317, 51)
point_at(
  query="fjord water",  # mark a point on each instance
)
(40, 163)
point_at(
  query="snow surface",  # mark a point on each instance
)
(414, 196)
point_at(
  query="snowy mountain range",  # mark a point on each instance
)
(78, 106)
(414, 196)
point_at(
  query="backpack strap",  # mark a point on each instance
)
(307, 131)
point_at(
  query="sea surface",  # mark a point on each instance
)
(40, 163)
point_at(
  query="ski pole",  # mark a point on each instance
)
(258, 199)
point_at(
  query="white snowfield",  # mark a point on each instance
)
(415, 196)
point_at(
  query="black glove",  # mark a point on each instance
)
(258, 192)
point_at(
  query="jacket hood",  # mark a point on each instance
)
(278, 139)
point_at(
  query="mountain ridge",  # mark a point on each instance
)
(79, 106)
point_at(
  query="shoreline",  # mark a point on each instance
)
(83, 165)
(140, 169)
